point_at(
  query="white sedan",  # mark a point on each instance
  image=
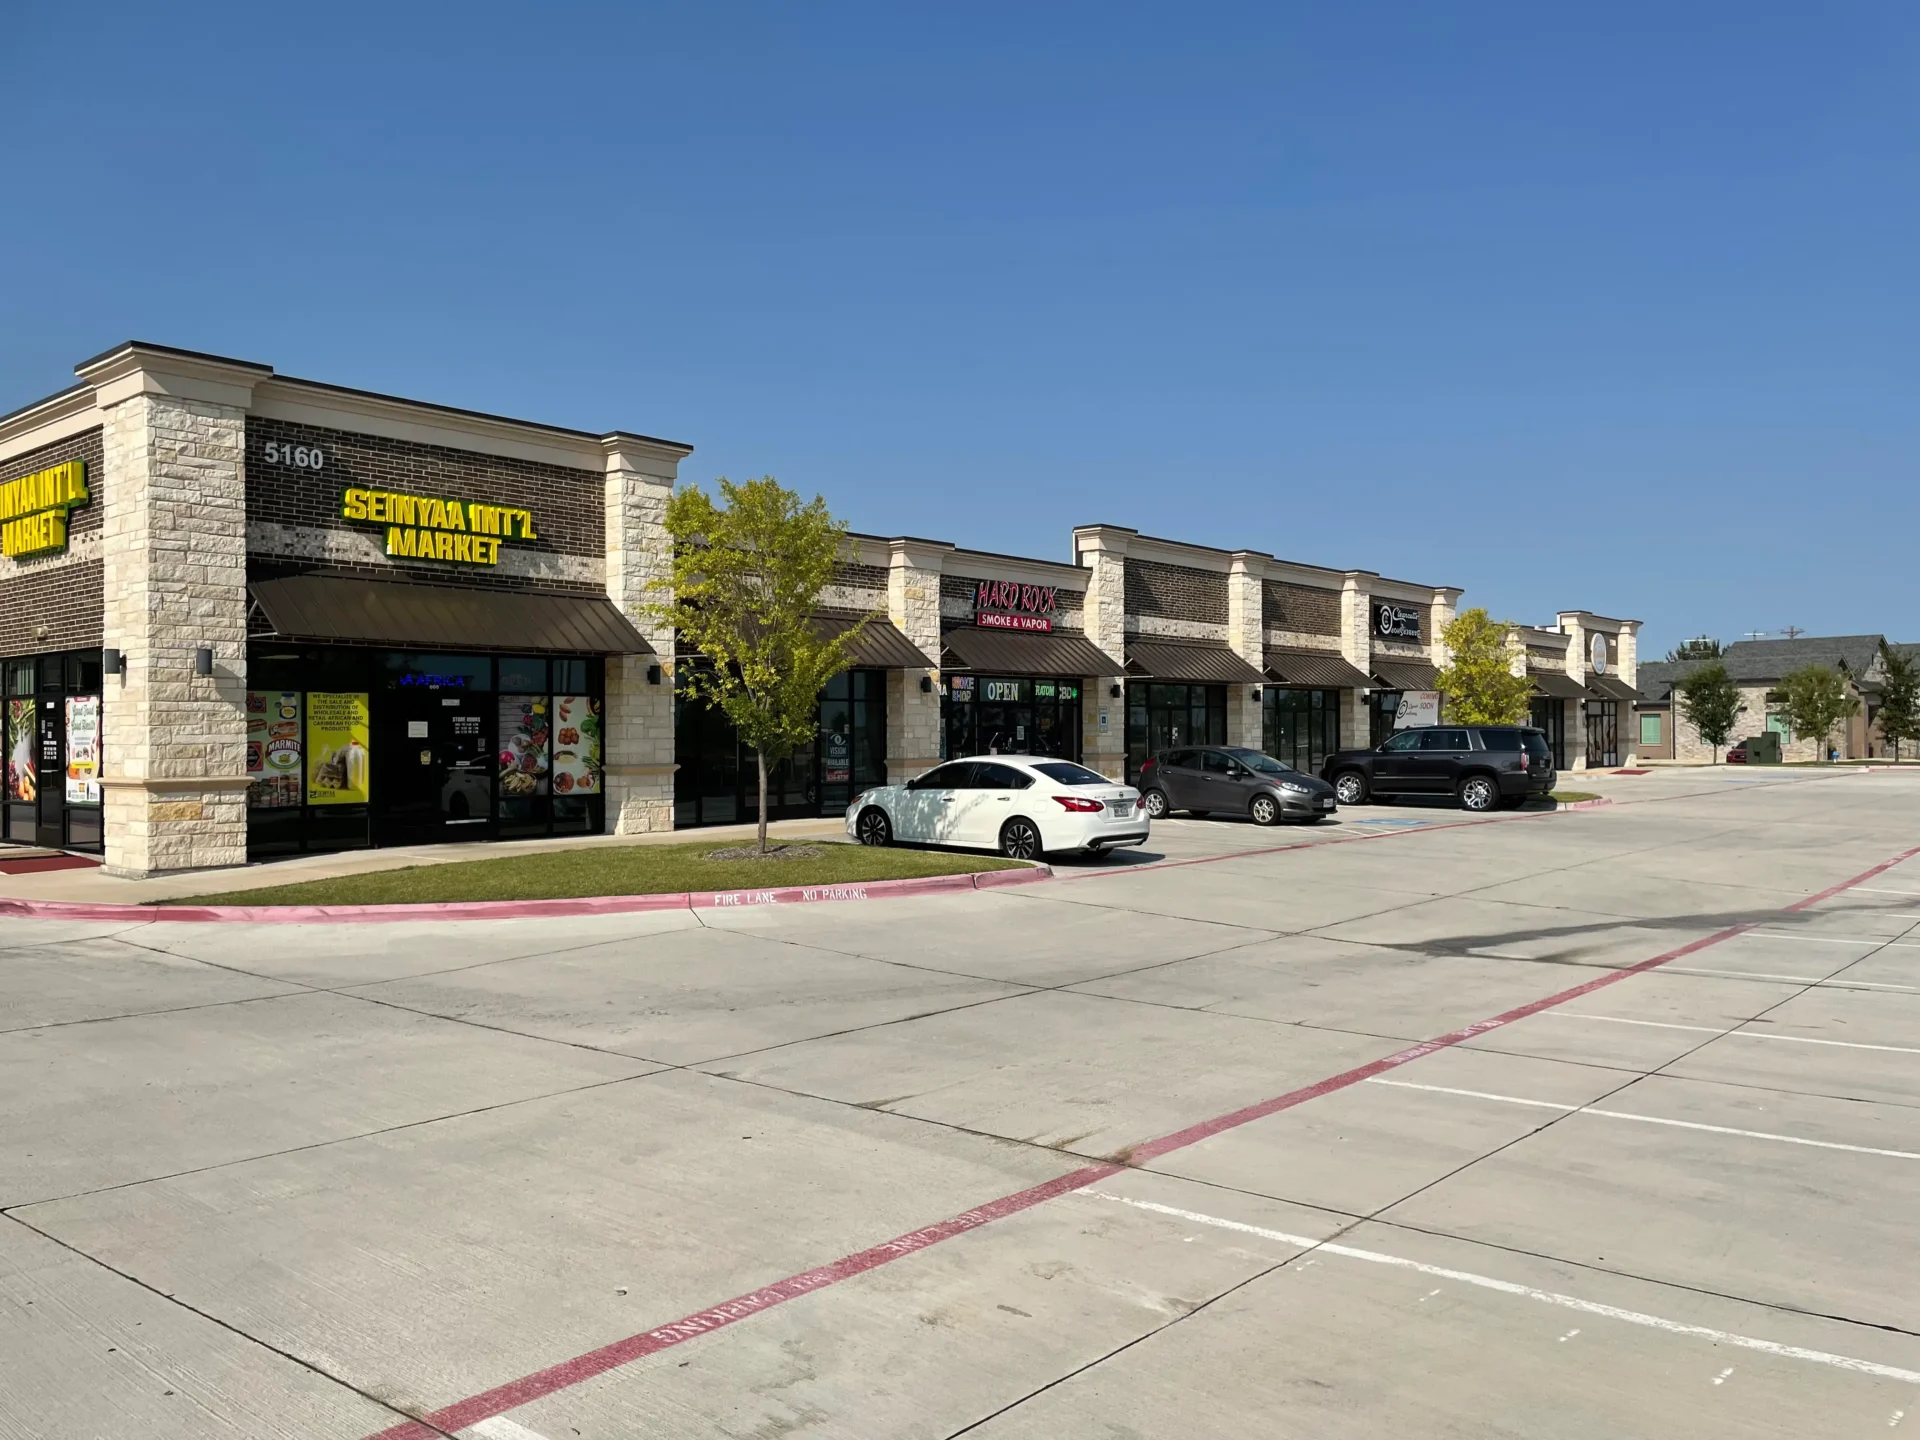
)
(1024, 806)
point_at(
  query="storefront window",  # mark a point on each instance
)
(1603, 733)
(1012, 715)
(51, 727)
(1300, 727)
(1161, 715)
(437, 672)
(1548, 714)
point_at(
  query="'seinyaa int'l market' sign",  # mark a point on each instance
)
(1009, 605)
(427, 527)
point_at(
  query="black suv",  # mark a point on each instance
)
(1485, 767)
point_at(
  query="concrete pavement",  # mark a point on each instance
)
(316, 1180)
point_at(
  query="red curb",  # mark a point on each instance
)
(520, 909)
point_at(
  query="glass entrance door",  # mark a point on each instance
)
(51, 759)
(1603, 733)
(433, 776)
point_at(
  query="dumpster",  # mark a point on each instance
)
(1764, 748)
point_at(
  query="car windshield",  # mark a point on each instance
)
(1265, 764)
(1067, 773)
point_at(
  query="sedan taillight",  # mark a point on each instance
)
(1078, 805)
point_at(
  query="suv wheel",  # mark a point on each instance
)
(1265, 810)
(1479, 793)
(1350, 787)
(1154, 802)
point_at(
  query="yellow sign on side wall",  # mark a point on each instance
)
(34, 508)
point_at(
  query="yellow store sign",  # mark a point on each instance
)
(33, 509)
(426, 527)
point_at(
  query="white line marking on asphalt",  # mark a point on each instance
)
(1528, 1292)
(1820, 981)
(1876, 890)
(1721, 1378)
(1568, 1336)
(1730, 1034)
(1835, 940)
(501, 1428)
(1651, 1119)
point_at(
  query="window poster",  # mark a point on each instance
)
(273, 749)
(526, 727)
(337, 748)
(1417, 707)
(23, 725)
(83, 749)
(576, 745)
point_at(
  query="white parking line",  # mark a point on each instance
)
(1876, 890)
(1833, 940)
(1651, 1119)
(1549, 1297)
(501, 1428)
(1824, 982)
(1730, 1034)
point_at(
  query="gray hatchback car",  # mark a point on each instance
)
(1232, 780)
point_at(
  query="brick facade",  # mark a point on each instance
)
(1176, 592)
(54, 602)
(294, 521)
(1301, 609)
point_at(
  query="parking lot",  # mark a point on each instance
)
(1601, 1123)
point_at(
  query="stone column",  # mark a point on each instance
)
(174, 554)
(1356, 647)
(1440, 613)
(1576, 634)
(913, 605)
(1247, 638)
(1101, 550)
(639, 718)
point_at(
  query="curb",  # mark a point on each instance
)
(525, 909)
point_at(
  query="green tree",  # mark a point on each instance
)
(746, 583)
(1816, 699)
(1899, 716)
(1479, 682)
(1701, 647)
(1710, 702)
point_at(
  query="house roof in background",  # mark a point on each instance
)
(1752, 661)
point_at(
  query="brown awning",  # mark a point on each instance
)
(389, 612)
(1319, 669)
(1189, 660)
(880, 644)
(1610, 687)
(995, 652)
(1556, 684)
(1406, 675)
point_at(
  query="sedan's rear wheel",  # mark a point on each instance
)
(1154, 802)
(1265, 810)
(873, 827)
(1350, 787)
(1479, 793)
(1020, 839)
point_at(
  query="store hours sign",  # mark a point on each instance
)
(1009, 605)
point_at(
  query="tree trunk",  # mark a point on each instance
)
(762, 756)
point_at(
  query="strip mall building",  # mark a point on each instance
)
(244, 615)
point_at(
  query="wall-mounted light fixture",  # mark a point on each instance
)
(203, 661)
(926, 684)
(653, 674)
(113, 662)
(1257, 692)
(1113, 692)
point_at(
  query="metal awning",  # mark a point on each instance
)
(1406, 675)
(1611, 687)
(1317, 669)
(1555, 684)
(880, 645)
(994, 652)
(354, 610)
(1190, 660)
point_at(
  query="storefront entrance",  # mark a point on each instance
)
(1159, 716)
(1300, 727)
(1549, 714)
(433, 767)
(1009, 715)
(1603, 733)
(52, 739)
(718, 782)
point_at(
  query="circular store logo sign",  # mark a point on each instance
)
(1599, 648)
(1396, 622)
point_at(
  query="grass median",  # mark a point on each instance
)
(612, 870)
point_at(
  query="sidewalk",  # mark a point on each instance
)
(98, 887)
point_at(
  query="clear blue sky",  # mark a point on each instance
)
(1611, 308)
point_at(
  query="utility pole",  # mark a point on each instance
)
(1793, 632)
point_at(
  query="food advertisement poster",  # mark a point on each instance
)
(273, 749)
(22, 726)
(576, 745)
(337, 748)
(83, 749)
(525, 729)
